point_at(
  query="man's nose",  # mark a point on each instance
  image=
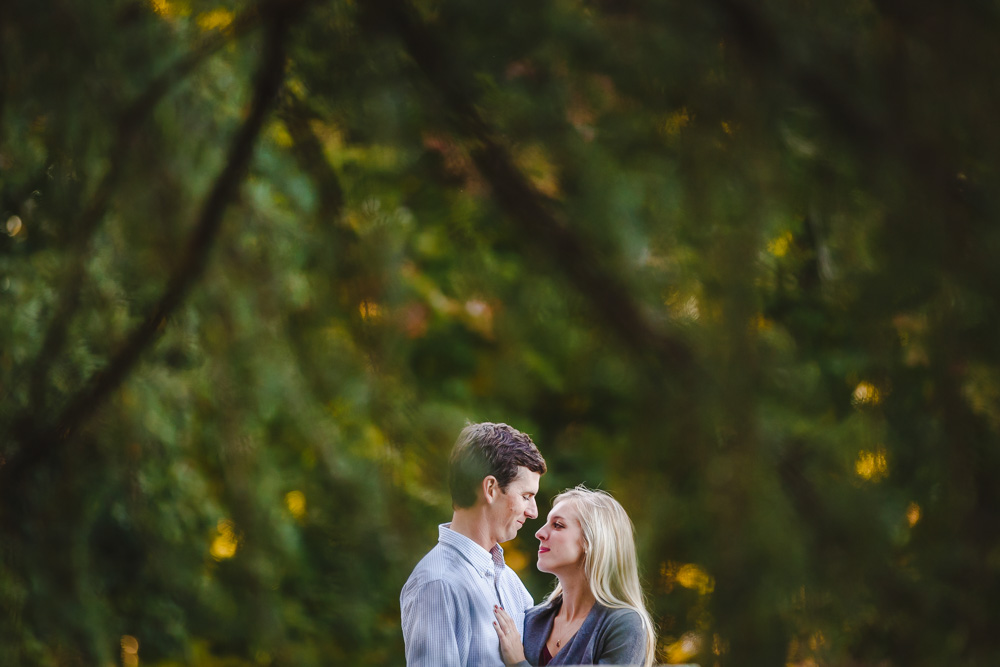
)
(532, 511)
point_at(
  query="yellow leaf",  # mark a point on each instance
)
(871, 466)
(370, 311)
(217, 19)
(225, 543)
(296, 503)
(539, 170)
(684, 648)
(779, 246)
(170, 9)
(693, 577)
(676, 121)
(865, 394)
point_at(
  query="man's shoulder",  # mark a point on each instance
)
(440, 564)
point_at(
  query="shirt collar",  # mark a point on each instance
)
(481, 559)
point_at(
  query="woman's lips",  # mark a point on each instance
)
(543, 550)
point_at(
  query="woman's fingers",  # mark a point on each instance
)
(503, 618)
(510, 639)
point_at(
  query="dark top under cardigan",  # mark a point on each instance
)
(606, 637)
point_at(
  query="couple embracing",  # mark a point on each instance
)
(463, 607)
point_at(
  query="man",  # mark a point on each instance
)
(447, 603)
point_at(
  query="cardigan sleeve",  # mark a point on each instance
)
(624, 641)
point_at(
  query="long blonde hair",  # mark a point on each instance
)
(610, 562)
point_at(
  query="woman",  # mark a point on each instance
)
(596, 613)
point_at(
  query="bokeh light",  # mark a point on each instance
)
(225, 544)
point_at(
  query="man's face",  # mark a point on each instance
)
(512, 508)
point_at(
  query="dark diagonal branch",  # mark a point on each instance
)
(94, 211)
(543, 230)
(101, 385)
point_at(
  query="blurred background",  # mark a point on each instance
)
(734, 262)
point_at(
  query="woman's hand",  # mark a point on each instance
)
(511, 647)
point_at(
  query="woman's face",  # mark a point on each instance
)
(560, 540)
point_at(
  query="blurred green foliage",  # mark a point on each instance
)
(734, 262)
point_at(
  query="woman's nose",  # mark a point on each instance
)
(540, 535)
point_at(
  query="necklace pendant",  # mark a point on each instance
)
(558, 642)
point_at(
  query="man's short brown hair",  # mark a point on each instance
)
(489, 449)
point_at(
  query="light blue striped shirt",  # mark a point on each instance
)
(447, 604)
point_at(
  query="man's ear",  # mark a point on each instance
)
(491, 489)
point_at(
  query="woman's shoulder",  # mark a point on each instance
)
(621, 617)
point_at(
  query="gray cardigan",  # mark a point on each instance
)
(607, 637)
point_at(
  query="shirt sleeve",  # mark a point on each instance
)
(624, 641)
(430, 616)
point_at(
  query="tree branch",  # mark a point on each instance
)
(101, 385)
(528, 209)
(128, 124)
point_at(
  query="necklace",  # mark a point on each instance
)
(572, 631)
